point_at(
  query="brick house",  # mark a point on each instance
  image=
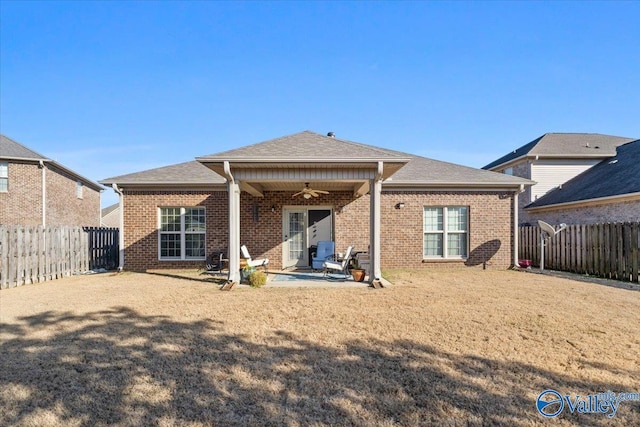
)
(35, 190)
(405, 210)
(606, 192)
(552, 160)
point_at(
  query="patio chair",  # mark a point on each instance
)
(339, 267)
(323, 253)
(217, 261)
(253, 262)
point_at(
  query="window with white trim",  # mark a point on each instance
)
(508, 171)
(79, 190)
(446, 232)
(182, 233)
(4, 177)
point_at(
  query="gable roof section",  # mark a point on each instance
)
(616, 176)
(13, 150)
(181, 174)
(306, 146)
(565, 145)
(417, 171)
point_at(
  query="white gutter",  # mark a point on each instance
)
(515, 225)
(121, 231)
(44, 193)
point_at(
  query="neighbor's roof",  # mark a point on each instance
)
(13, 150)
(615, 176)
(306, 146)
(418, 171)
(106, 211)
(565, 145)
(189, 173)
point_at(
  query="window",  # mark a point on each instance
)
(508, 171)
(4, 177)
(182, 233)
(79, 190)
(446, 232)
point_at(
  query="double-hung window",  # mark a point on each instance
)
(446, 232)
(182, 233)
(4, 177)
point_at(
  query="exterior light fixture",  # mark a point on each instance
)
(273, 208)
(400, 205)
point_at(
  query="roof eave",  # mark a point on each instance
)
(96, 186)
(550, 156)
(619, 198)
(305, 160)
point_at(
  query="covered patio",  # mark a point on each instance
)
(272, 176)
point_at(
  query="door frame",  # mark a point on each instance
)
(306, 209)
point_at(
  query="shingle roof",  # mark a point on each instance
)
(10, 149)
(106, 211)
(614, 176)
(418, 170)
(13, 150)
(180, 174)
(306, 145)
(566, 145)
(421, 170)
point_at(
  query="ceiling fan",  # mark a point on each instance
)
(308, 192)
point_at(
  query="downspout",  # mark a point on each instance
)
(44, 193)
(121, 231)
(515, 225)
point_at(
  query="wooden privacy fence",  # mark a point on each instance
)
(35, 254)
(609, 250)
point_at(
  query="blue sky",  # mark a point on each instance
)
(109, 88)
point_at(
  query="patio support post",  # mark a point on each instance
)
(374, 226)
(233, 189)
(516, 230)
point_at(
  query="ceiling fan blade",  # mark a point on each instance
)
(321, 191)
(313, 193)
(297, 194)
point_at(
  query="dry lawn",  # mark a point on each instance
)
(462, 347)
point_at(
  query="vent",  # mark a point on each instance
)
(331, 135)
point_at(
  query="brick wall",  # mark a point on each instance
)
(612, 212)
(22, 204)
(64, 207)
(401, 238)
(141, 225)
(490, 228)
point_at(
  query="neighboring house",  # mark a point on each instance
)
(111, 216)
(553, 159)
(607, 192)
(35, 190)
(406, 210)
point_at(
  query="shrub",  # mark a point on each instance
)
(257, 279)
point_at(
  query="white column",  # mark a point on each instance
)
(375, 191)
(234, 231)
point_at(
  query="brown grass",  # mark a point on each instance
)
(447, 348)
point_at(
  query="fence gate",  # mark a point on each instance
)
(103, 247)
